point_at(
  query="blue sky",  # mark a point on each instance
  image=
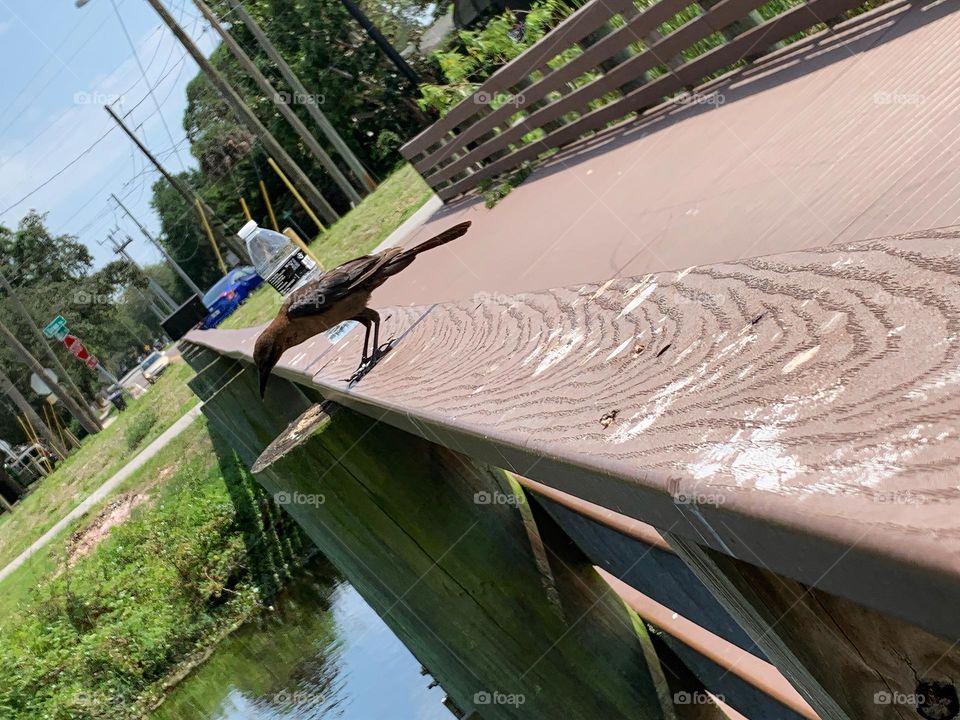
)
(61, 65)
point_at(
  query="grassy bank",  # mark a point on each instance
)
(357, 233)
(197, 556)
(99, 457)
(196, 549)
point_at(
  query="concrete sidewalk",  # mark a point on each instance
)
(101, 492)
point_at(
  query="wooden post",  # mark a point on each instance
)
(245, 114)
(246, 210)
(848, 661)
(8, 388)
(266, 201)
(510, 621)
(313, 108)
(57, 366)
(213, 240)
(293, 191)
(282, 104)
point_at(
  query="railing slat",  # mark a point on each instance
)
(574, 28)
(789, 23)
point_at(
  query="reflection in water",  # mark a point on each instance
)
(321, 654)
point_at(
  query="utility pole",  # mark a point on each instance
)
(389, 50)
(150, 304)
(10, 390)
(31, 362)
(162, 295)
(312, 108)
(58, 367)
(219, 228)
(284, 107)
(247, 116)
(156, 243)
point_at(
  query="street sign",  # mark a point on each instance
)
(55, 327)
(38, 383)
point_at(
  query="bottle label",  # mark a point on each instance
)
(291, 271)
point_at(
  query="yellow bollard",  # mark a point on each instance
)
(266, 200)
(213, 241)
(292, 234)
(297, 195)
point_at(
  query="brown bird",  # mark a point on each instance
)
(337, 295)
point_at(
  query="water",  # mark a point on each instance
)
(322, 653)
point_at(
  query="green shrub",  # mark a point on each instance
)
(100, 640)
(139, 427)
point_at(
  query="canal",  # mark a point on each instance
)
(321, 652)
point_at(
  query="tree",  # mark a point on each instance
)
(52, 276)
(358, 89)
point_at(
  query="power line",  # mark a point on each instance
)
(146, 80)
(57, 174)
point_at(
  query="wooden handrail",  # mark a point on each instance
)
(794, 411)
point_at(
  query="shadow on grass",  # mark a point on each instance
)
(275, 544)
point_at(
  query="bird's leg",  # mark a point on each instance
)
(366, 337)
(375, 319)
(369, 318)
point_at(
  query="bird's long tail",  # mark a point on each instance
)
(436, 241)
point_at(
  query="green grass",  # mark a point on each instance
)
(200, 555)
(355, 234)
(98, 458)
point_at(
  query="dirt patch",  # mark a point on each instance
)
(94, 532)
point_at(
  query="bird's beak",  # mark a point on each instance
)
(264, 377)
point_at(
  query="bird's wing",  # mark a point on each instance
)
(336, 284)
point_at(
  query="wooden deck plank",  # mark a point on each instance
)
(810, 399)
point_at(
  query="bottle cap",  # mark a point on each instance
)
(249, 229)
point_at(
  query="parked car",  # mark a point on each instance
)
(154, 366)
(28, 462)
(227, 293)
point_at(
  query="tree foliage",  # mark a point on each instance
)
(53, 275)
(364, 97)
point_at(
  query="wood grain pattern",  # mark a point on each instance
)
(806, 403)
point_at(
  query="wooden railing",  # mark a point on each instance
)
(787, 423)
(626, 58)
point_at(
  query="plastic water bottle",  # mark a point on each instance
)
(278, 259)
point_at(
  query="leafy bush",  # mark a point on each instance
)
(139, 427)
(482, 52)
(101, 639)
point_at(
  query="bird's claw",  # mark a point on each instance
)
(368, 363)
